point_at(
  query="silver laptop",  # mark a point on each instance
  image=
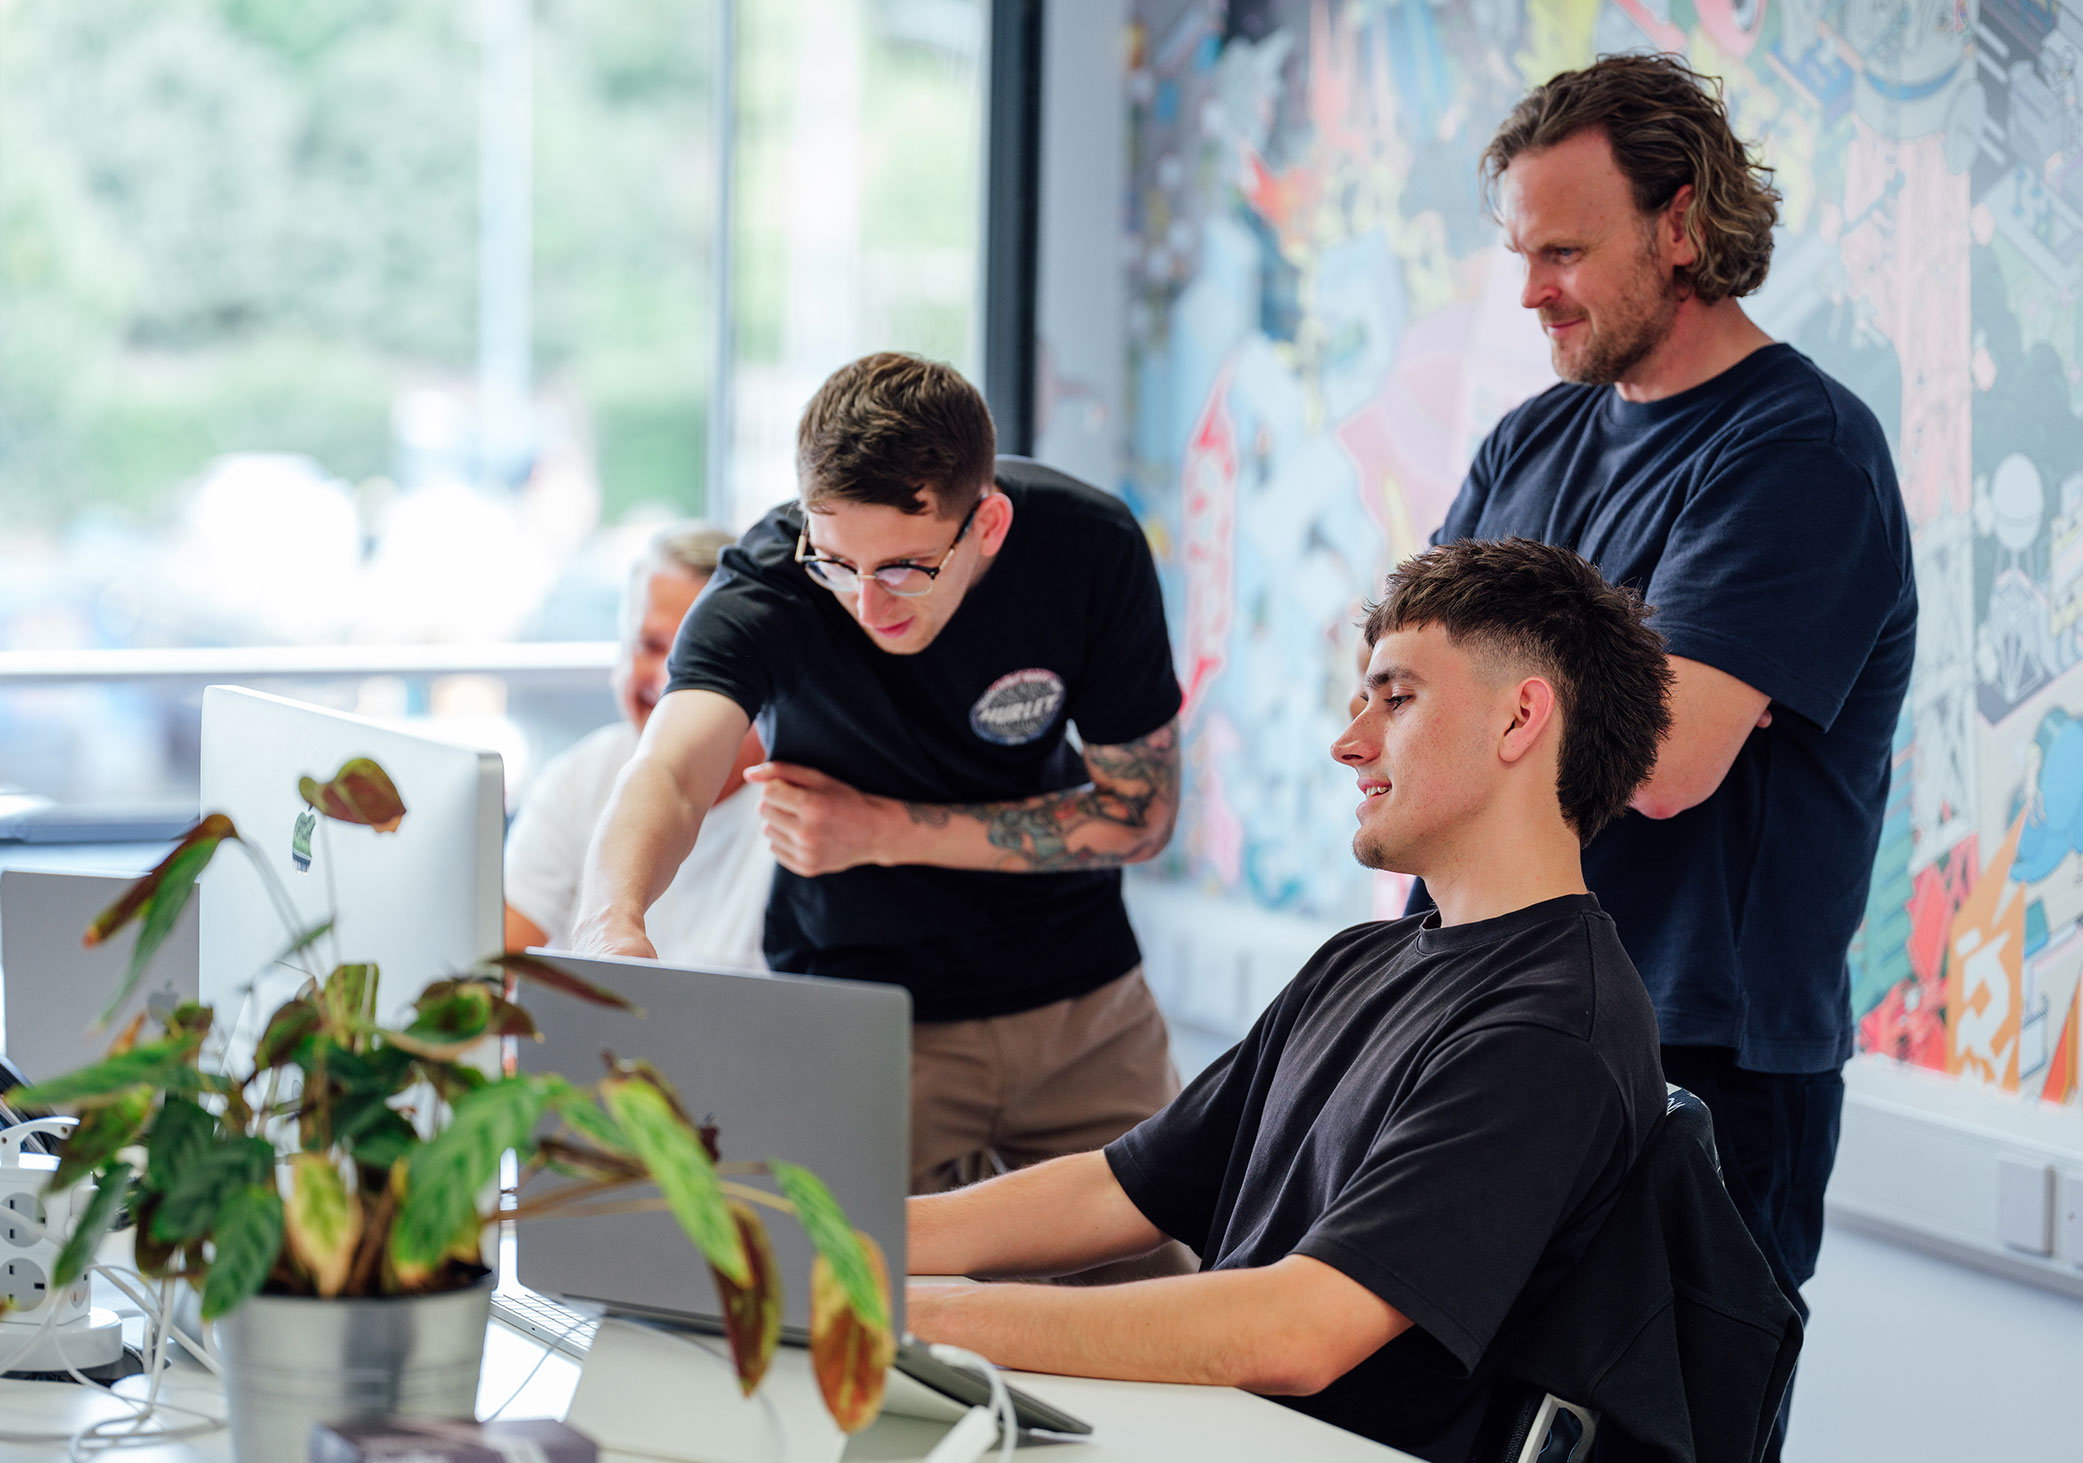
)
(816, 1072)
(51, 988)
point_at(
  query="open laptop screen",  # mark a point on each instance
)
(816, 1072)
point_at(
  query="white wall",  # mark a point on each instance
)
(1912, 1359)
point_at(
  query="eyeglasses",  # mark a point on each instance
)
(906, 581)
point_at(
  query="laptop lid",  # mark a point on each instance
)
(51, 987)
(813, 1071)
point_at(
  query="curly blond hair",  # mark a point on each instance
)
(1668, 128)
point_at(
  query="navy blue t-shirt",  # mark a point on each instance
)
(1758, 513)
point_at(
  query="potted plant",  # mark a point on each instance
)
(328, 1197)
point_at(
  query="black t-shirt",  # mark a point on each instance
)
(1758, 513)
(1444, 1116)
(1065, 629)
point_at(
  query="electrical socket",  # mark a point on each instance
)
(23, 1285)
(25, 1203)
(2068, 1218)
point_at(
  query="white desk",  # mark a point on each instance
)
(1132, 1422)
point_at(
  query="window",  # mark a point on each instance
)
(352, 323)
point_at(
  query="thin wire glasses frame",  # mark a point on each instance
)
(897, 579)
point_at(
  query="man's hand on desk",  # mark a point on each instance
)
(608, 933)
(1288, 1329)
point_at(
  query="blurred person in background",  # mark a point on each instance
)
(714, 909)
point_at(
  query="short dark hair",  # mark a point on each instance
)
(1544, 607)
(1668, 127)
(898, 430)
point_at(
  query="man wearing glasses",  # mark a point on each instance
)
(915, 638)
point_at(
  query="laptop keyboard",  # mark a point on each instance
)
(556, 1326)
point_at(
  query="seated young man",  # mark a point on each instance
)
(1422, 1133)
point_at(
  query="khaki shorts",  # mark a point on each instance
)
(1009, 1091)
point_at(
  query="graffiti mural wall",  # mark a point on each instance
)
(1323, 325)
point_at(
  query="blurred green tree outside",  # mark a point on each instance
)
(247, 225)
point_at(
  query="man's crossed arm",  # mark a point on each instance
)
(1286, 1329)
(819, 825)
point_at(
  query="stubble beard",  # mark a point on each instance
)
(1612, 351)
(1371, 849)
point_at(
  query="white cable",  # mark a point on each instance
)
(98, 1437)
(1001, 1404)
(570, 1326)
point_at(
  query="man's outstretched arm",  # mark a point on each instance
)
(652, 818)
(1124, 815)
(1286, 1329)
(1055, 1218)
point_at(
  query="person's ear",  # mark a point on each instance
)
(1672, 239)
(994, 520)
(1533, 708)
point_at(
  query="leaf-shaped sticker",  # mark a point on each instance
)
(160, 896)
(101, 1133)
(448, 1170)
(837, 1241)
(360, 792)
(851, 1355)
(528, 967)
(211, 830)
(247, 1237)
(322, 1221)
(751, 1313)
(86, 1235)
(154, 1064)
(673, 1155)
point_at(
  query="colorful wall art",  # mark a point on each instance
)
(1322, 325)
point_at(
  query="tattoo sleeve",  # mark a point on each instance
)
(1123, 816)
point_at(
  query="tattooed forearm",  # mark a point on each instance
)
(1123, 816)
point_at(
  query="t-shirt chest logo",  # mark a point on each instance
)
(1018, 707)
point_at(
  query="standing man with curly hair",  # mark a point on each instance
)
(1751, 499)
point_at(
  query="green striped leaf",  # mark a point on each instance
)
(248, 1237)
(154, 1064)
(673, 1155)
(447, 1172)
(86, 1236)
(826, 1224)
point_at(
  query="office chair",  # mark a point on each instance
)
(1670, 1280)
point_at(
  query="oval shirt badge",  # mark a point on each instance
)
(1018, 707)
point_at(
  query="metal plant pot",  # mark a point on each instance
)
(291, 1361)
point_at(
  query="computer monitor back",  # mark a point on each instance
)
(420, 902)
(53, 988)
(816, 1072)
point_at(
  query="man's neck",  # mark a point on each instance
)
(1704, 341)
(1491, 875)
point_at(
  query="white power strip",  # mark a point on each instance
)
(43, 1330)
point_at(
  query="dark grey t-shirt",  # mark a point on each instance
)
(1443, 1115)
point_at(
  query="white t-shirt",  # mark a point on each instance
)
(713, 913)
